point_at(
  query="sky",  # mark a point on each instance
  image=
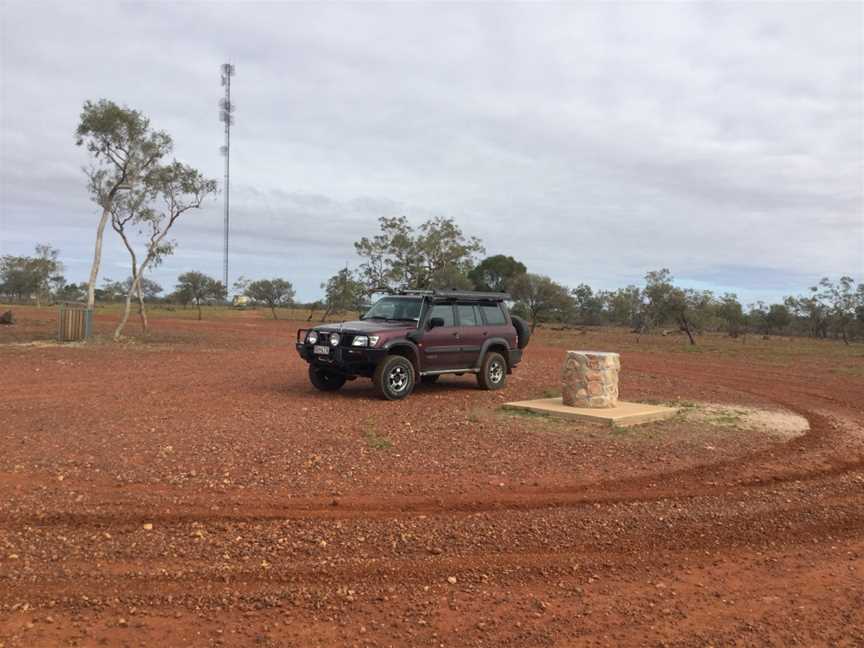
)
(593, 142)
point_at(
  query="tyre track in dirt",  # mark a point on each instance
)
(766, 548)
(720, 477)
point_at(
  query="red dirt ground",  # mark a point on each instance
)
(194, 489)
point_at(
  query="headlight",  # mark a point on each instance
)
(364, 340)
(312, 337)
(334, 339)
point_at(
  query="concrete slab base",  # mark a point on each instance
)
(623, 414)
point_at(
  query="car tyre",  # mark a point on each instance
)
(394, 377)
(523, 331)
(493, 371)
(324, 379)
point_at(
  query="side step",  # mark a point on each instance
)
(438, 372)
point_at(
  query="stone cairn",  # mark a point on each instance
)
(590, 379)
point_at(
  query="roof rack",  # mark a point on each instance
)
(452, 293)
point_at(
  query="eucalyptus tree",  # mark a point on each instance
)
(124, 150)
(37, 276)
(273, 292)
(541, 298)
(194, 286)
(495, 273)
(343, 292)
(435, 255)
(842, 302)
(172, 190)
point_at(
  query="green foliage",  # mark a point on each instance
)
(437, 255)
(111, 290)
(725, 417)
(168, 192)
(624, 306)
(496, 273)
(842, 304)
(374, 440)
(123, 146)
(777, 318)
(663, 303)
(830, 308)
(541, 298)
(343, 292)
(769, 319)
(117, 290)
(588, 305)
(200, 288)
(661, 299)
(240, 285)
(36, 277)
(273, 292)
(732, 314)
(72, 292)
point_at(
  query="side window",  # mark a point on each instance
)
(493, 315)
(467, 315)
(444, 311)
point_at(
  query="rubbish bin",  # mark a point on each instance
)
(74, 322)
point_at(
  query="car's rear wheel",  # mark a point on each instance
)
(493, 372)
(324, 379)
(394, 377)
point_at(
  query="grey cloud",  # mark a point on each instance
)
(594, 142)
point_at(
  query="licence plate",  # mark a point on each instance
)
(320, 349)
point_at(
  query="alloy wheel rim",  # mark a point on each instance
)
(397, 379)
(496, 372)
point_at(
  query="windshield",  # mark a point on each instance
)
(396, 308)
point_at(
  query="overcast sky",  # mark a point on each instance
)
(592, 142)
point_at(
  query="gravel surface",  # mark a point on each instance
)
(195, 489)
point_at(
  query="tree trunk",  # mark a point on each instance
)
(141, 311)
(198, 304)
(685, 326)
(326, 314)
(136, 285)
(135, 288)
(137, 277)
(97, 259)
(273, 310)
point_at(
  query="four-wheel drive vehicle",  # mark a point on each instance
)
(418, 335)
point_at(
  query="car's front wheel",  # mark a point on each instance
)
(493, 372)
(324, 379)
(394, 377)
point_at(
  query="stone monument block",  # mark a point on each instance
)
(590, 379)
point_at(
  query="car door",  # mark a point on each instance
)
(441, 347)
(473, 332)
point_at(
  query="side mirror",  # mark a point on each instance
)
(436, 321)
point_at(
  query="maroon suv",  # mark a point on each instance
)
(418, 334)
